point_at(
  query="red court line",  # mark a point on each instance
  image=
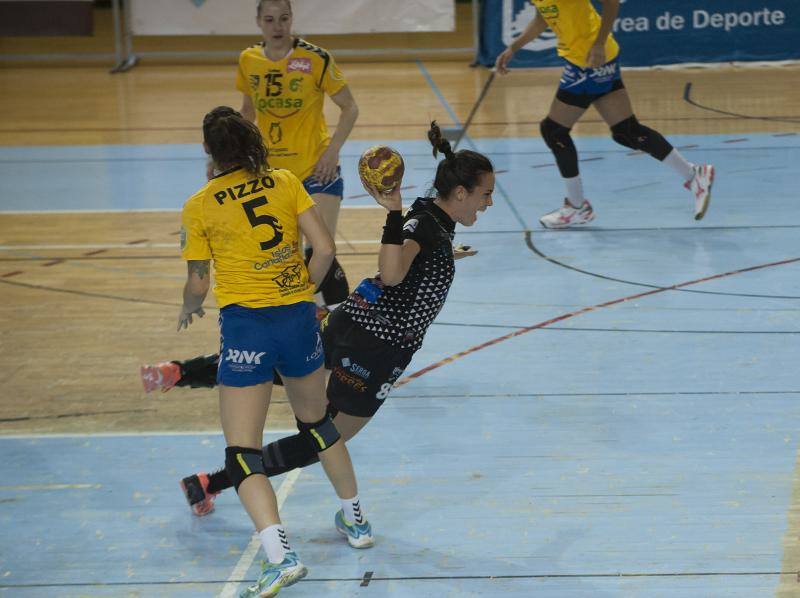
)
(137, 241)
(736, 140)
(582, 311)
(95, 252)
(9, 274)
(52, 263)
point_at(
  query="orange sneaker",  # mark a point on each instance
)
(195, 489)
(163, 375)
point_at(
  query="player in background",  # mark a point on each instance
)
(591, 76)
(284, 80)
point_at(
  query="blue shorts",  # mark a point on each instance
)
(253, 341)
(335, 187)
(580, 87)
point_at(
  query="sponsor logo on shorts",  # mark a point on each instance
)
(346, 377)
(243, 361)
(356, 369)
(302, 65)
(607, 70)
(317, 351)
(396, 373)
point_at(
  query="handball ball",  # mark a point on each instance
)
(382, 167)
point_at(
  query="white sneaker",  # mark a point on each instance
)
(700, 186)
(568, 215)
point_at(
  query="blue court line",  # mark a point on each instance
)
(468, 139)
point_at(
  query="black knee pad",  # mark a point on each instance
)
(633, 134)
(322, 434)
(241, 463)
(334, 287)
(558, 139)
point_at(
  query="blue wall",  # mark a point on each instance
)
(663, 32)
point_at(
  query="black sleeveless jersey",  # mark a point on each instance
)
(400, 315)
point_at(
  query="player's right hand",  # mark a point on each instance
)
(501, 64)
(185, 317)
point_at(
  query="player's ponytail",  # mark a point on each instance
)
(234, 141)
(463, 167)
(439, 143)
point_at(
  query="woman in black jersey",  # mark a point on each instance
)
(370, 338)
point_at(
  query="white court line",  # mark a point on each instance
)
(148, 210)
(249, 554)
(54, 487)
(136, 246)
(215, 432)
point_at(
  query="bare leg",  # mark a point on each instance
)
(243, 412)
(614, 107)
(307, 397)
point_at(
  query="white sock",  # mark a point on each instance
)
(353, 513)
(679, 164)
(273, 539)
(575, 191)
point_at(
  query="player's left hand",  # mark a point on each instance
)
(596, 56)
(462, 251)
(185, 317)
(325, 170)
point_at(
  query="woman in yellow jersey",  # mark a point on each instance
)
(248, 219)
(592, 76)
(284, 80)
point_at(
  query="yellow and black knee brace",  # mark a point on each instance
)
(241, 463)
(322, 434)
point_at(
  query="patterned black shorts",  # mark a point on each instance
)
(363, 368)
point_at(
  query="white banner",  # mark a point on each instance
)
(311, 17)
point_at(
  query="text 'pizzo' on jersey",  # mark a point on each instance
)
(288, 95)
(248, 225)
(400, 315)
(576, 24)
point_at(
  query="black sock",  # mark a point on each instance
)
(288, 453)
(283, 455)
(199, 372)
(219, 481)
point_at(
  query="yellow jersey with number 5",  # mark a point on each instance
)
(247, 224)
(575, 23)
(288, 96)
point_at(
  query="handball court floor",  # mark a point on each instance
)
(610, 411)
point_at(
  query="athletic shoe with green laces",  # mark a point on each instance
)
(276, 576)
(359, 535)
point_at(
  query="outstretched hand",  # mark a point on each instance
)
(185, 317)
(462, 251)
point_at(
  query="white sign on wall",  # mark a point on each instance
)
(237, 17)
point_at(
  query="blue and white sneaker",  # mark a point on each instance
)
(276, 576)
(359, 535)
